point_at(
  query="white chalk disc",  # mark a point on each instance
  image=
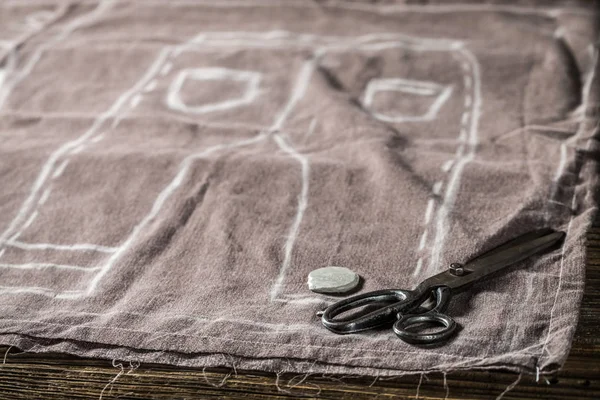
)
(332, 280)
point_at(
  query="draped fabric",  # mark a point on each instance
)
(170, 172)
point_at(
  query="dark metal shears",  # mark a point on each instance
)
(405, 308)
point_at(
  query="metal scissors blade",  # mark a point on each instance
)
(498, 258)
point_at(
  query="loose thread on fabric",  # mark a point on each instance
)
(510, 387)
(339, 380)
(374, 381)
(232, 360)
(278, 385)
(292, 384)
(215, 385)
(286, 391)
(279, 388)
(133, 366)
(304, 377)
(319, 390)
(419, 386)
(113, 380)
(446, 387)
(6, 354)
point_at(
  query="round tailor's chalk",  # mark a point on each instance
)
(332, 280)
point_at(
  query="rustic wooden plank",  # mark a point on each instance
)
(59, 376)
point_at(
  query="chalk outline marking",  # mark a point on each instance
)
(70, 147)
(465, 153)
(416, 87)
(361, 42)
(252, 80)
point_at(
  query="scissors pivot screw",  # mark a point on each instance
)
(457, 269)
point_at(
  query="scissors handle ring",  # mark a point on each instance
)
(394, 301)
(406, 321)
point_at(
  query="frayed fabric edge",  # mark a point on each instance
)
(236, 362)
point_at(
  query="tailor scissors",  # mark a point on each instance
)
(407, 308)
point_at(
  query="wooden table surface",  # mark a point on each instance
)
(59, 376)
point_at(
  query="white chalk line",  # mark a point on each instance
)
(421, 45)
(76, 145)
(135, 101)
(462, 159)
(288, 40)
(46, 266)
(32, 217)
(166, 68)
(116, 254)
(11, 48)
(97, 138)
(34, 289)
(38, 20)
(301, 208)
(464, 121)
(239, 39)
(44, 197)
(156, 207)
(422, 88)
(252, 80)
(298, 93)
(25, 72)
(68, 29)
(429, 45)
(385, 9)
(42, 289)
(429, 211)
(468, 82)
(447, 166)
(372, 8)
(306, 301)
(542, 128)
(419, 267)
(57, 173)
(70, 247)
(78, 149)
(468, 101)
(423, 240)
(562, 163)
(160, 61)
(447, 201)
(151, 85)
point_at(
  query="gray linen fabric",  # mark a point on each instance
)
(170, 172)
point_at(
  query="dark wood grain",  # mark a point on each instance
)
(58, 376)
